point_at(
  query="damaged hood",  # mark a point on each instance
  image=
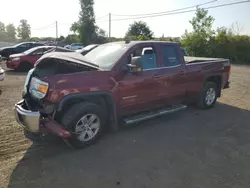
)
(68, 56)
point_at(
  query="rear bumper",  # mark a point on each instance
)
(33, 121)
(227, 85)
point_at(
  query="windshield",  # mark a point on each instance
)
(86, 48)
(19, 44)
(106, 55)
(30, 51)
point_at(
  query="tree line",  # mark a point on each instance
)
(9, 33)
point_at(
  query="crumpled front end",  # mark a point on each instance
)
(34, 122)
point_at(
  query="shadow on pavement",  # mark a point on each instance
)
(193, 148)
(15, 72)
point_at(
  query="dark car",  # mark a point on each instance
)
(18, 48)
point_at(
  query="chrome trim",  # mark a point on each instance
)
(140, 118)
(162, 68)
(129, 97)
(29, 120)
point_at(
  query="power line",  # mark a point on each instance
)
(194, 6)
(44, 27)
(104, 16)
(180, 12)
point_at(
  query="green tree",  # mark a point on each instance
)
(23, 30)
(2, 27)
(11, 31)
(75, 27)
(139, 31)
(202, 22)
(3, 36)
(61, 38)
(86, 28)
(100, 36)
(198, 42)
(71, 39)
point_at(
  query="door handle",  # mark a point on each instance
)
(157, 76)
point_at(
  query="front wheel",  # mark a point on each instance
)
(208, 95)
(85, 121)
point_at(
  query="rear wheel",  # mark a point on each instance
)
(86, 122)
(208, 95)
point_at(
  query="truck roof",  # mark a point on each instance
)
(131, 43)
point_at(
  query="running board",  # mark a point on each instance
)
(153, 114)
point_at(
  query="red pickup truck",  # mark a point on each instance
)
(75, 97)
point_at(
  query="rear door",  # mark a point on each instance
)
(139, 92)
(172, 75)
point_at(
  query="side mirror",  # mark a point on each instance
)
(135, 66)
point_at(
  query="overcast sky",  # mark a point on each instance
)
(42, 15)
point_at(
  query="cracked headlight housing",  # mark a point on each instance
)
(38, 88)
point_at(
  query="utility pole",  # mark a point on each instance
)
(56, 30)
(109, 27)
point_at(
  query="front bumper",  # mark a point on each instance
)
(34, 122)
(12, 65)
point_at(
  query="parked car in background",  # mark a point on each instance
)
(87, 49)
(75, 97)
(18, 48)
(26, 60)
(67, 46)
(75, 46)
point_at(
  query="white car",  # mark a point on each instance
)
(1, 74)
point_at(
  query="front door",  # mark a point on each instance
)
(139, 92)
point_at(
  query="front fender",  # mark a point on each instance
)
(109, 99)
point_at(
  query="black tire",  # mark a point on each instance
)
(202, 102)
(24, 66)
(74, 114)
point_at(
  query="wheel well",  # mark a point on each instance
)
(217, 81)
(104, 101)
(25, 63)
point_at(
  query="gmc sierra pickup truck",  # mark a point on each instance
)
(75, 97)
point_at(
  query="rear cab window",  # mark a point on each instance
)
(170, 56)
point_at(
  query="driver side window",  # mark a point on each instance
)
(147, 57)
